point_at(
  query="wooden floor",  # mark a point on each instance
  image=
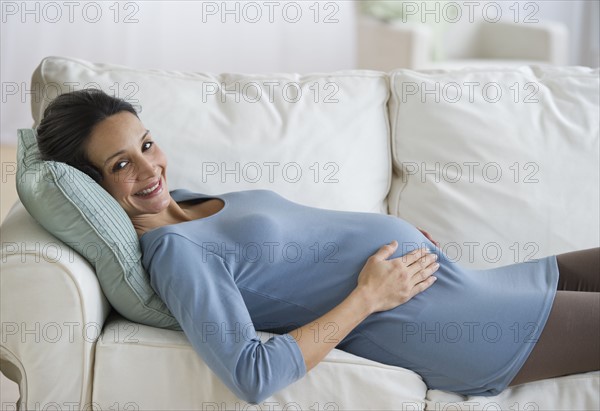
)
(9, 391)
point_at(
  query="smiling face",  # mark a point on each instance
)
(132, 165)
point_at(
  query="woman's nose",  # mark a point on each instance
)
(145, 169)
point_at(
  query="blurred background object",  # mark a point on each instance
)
(450, 34)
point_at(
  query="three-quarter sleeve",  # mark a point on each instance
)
(201, 293)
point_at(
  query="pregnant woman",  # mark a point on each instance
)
(370, 284)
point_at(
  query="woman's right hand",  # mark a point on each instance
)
(388, 283)
(382, 285)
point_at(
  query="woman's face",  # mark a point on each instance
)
(133, 167)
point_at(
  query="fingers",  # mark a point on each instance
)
(425, 233)
(424, 268)
(399, 279)
(415, 261)
(413, 256)
(428, 236)
(423, 285)
(386, 251)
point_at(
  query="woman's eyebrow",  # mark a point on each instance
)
(122, 151)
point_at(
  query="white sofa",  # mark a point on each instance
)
(495, 180)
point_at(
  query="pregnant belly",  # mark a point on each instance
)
(309, 287)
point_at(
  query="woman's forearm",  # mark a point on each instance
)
(317, 338)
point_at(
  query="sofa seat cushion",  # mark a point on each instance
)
(151, 368)
(573, 392)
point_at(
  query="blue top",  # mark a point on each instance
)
(266, 263)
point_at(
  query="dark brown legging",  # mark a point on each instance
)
(570, 341)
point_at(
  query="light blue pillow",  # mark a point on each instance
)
(78, 211)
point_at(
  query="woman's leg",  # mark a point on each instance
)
(579, 270)
(570, 341)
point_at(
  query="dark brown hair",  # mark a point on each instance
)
(68, 123)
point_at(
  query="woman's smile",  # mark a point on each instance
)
(132, 164)
(151, 191)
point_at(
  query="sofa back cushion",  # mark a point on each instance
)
(499, 165)
(317, 139)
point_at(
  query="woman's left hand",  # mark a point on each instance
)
(426, 234)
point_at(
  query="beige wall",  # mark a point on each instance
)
(184, 35)
(9, 391)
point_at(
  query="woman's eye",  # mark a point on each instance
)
(118, 166)
(121, 164)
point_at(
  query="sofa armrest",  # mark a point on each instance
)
(388, 46)
(547, 42)
(53, 311)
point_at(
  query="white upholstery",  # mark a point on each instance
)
(43, 282)
(203, 127)
(459, 168)
(573, 392)
(53, 311)
(181, 380)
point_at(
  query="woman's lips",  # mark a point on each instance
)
(154, 192)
